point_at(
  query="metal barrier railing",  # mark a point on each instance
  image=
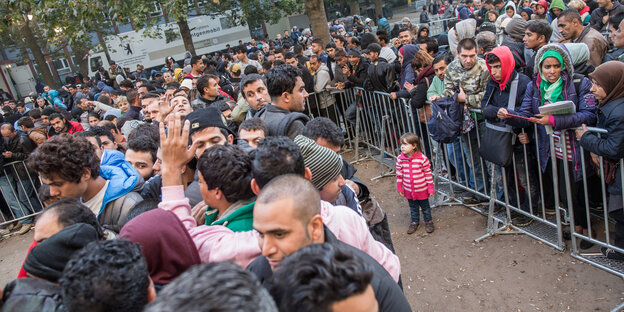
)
(597, 216)
(18, 187)
(540, 189)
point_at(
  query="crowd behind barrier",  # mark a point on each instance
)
(204, 148)
(373, 134)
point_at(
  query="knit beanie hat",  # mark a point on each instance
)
(48, 259)
(324, 163)
(516, 28)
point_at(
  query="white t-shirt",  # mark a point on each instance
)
(95, 203)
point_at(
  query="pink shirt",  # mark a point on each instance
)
(414, 177)
(217, 243)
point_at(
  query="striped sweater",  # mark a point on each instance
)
(414, 177)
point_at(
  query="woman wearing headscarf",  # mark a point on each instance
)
(166, 245)
(462, 30)
(553, 82)
(406, 55)
(526, 14)
(608, 88)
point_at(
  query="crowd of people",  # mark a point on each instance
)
(206, 184)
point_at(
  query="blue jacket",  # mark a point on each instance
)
(348, 198)
(494, 98)
(610, 145)
(585, 109)
(407, 73)
(122, 191)
(584, 115)
(384, 24)
(463, 12)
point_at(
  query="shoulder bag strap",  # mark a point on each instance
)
(513, 94)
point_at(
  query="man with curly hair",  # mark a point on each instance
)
(109, 275)
(72, 170)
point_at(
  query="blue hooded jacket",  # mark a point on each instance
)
(122, 176)
(123, 179)
(407, 73)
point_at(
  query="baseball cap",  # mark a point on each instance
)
(206, 117)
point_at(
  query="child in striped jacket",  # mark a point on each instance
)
(414, 181)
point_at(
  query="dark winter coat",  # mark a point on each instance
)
(358, 74)
(585, 109)
(380, 77)
(31, 294)
(610, 145)
(389, 296)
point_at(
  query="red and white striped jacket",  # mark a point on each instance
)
(414, 177)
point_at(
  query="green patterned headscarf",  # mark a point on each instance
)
(551, 92)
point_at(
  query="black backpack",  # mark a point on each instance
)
(287, 121)
(446, 119)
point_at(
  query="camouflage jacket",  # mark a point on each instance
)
(473, 81)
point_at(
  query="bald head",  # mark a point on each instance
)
(305, 198)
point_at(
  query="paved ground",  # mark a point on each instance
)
(447, 271)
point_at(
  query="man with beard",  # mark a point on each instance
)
(255, 95)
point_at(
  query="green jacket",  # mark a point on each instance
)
(238, 217)
(436, 87)
(559, 4)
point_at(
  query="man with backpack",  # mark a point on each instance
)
(466, 78)
(283, 115)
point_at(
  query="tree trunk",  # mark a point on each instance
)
(164, 13)
(378, 9)
(115, 27)
(103, 44)
(68, 57)
(33, 46)
(315, 9)
(185, 31)
(354, 7)
(196, 6)
(80, 54)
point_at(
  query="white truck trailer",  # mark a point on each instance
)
(132, 48)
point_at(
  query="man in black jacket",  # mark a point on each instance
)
(381, 76)
(357, 70)
(288, 99)
(290, 220)
(607, 9)
(208, 87)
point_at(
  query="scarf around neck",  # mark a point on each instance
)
(551, 92)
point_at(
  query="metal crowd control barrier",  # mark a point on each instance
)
(18, 187)
(600, 212)
(540, 190)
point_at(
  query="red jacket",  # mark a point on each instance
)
(72, 127)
